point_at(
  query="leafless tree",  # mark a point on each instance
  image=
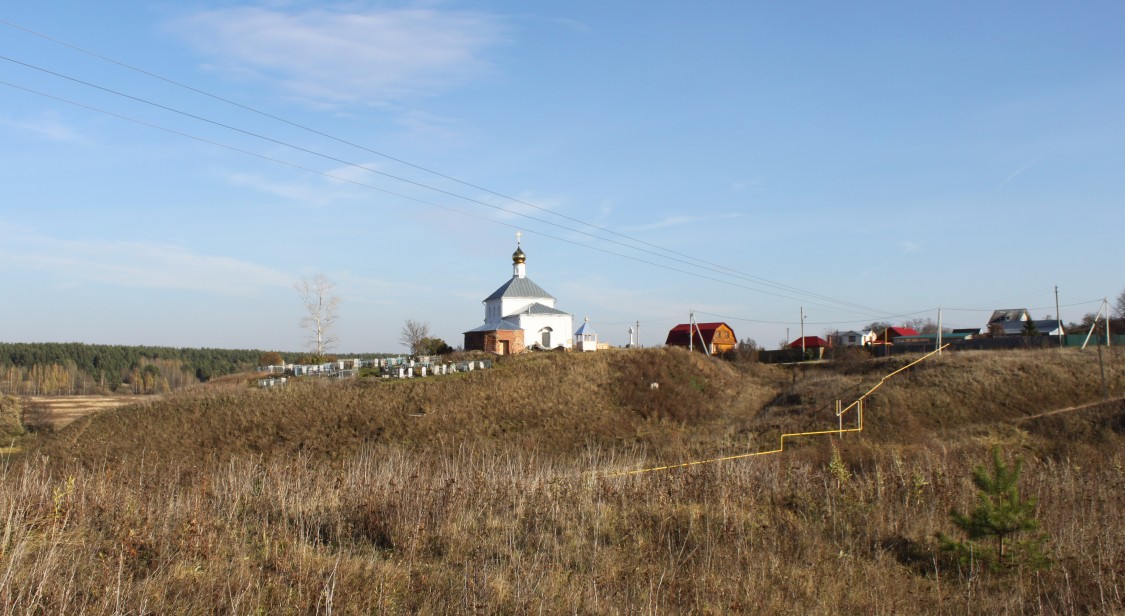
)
(413, 335)
(320, 304)
(1120, 303)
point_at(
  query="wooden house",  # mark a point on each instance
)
(714, 338)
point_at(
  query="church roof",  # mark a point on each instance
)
(493, 327)
(535, 308)
(585, 329)
(519, 287)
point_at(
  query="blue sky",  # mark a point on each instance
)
(875, 160)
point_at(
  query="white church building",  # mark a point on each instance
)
(521, 315)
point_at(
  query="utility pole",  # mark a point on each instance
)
(1058, 317)
(690, 332)
(802, 333)
(638, 333)
(938, 329)
(1108, 338)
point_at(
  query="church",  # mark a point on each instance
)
(520, 315)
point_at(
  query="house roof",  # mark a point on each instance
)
(1015, 328)
(1009, 314)
(493, 327)
(811, 342)
(535, 308)
(895, 332)
(519, 287)
(680, 334)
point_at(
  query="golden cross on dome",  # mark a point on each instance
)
(518, 235)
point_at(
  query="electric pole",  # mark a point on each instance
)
(1058, 317)
(690, 333)
(939, 330)
(802, 333)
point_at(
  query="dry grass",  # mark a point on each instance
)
(475, 494)
(59, 411)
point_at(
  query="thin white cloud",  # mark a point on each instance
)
(573, 24)
(1018, 172)
(909, 246)
(514, 212)
(739, 186)
(301, 192)
(136, 264)
(342, 56)
(675, 221)
(338, 184)
(47, 125)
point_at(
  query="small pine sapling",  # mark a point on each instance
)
(1000, 515)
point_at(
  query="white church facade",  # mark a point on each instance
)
(521, 315)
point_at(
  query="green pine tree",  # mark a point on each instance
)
(1000, 515)
(1029, 329)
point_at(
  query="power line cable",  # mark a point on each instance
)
(421, 185)
(385, 191)
(1093, 301)
(893, 316)
(199, 91)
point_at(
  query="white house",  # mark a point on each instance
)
(854, 338)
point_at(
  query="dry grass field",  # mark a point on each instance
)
(59, 411)
(490, 492)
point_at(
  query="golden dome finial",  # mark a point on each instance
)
(518, 256)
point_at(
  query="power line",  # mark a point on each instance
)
(383, 190)
(718, 268)
(892, 316)
(1093, 301)
(419, 184)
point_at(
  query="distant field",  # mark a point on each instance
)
(59, 411)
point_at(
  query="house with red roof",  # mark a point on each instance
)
(888, 335)
(714, 338)
(811, 342)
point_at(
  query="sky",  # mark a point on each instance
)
(170, 170)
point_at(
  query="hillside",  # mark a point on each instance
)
(565, 404)
(553, 404)
(487, 492)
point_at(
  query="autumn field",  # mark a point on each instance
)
(499, 492)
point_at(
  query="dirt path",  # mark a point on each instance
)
(1071, 409)
(59, 411)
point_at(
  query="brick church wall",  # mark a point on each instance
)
(491, 341)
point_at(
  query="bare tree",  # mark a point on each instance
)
(414, 335)
(320, 304)
(1120, 303)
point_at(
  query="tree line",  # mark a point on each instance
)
(49, 368)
